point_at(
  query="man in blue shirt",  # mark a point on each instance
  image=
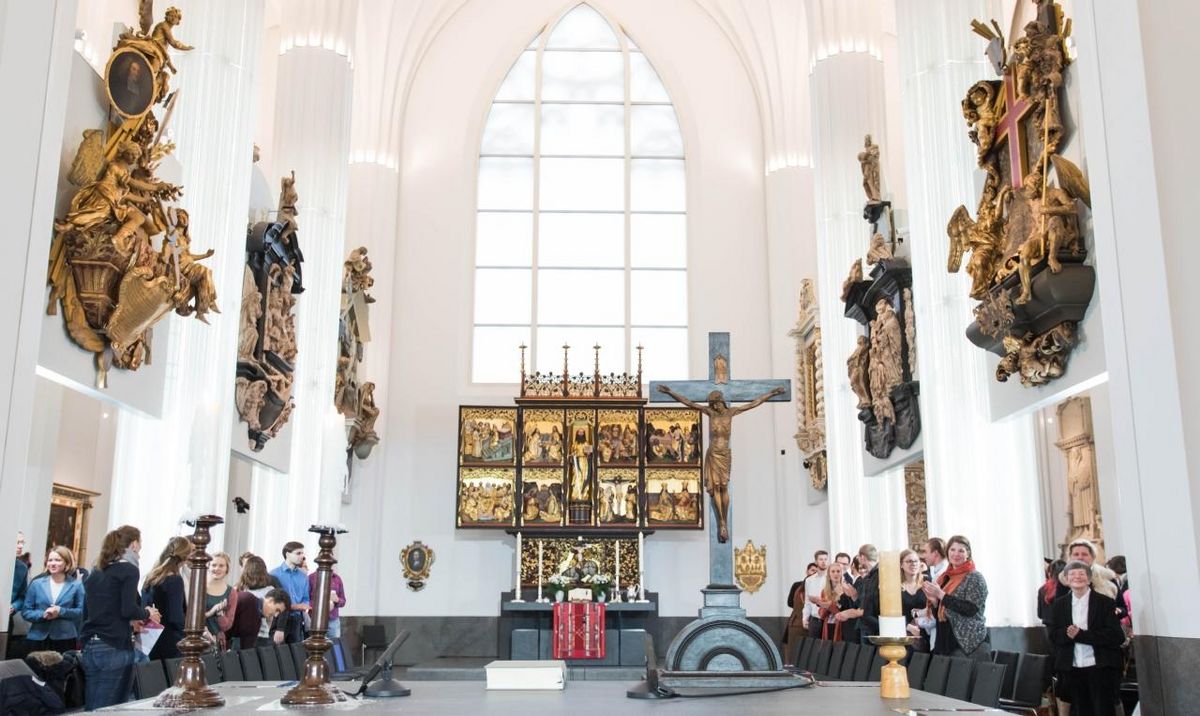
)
(295, 582)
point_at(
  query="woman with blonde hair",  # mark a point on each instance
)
(111, 605)
(165, 590)
(839, 618)
(912, 596)
(53, 604)
(220, 599)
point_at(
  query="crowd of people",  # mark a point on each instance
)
(1084, 606)
(112, 617)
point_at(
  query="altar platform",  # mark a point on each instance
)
(582, 698)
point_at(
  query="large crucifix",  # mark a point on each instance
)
(712, 397)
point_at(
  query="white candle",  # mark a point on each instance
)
(617, 572)
(517, 579)
(539, 598)
(641, 566)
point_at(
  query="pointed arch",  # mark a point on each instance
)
(581, 232)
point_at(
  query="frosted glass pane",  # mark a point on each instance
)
(509, 130)
(495, 354)
(505, 183)
(583, 184)
(654, 131)
(665, 353)
(583, 76)
(658, 298)
(503, 239)
(657, 185)
(582, 356)
(502, 295)
(582, 28)
(519, 83)
(644, 83)
(581, 297)
(581, 240)
(658, 240)
(583, 129)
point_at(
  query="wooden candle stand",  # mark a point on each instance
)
(314, 687)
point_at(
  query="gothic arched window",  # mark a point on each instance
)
(581, 234)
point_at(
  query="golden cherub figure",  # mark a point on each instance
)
(155, 47)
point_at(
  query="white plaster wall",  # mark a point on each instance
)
(429, 361)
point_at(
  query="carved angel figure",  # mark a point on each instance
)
(155, 47)
(195, 292)
(1037, 359)
(1055, 226)
(868, 159)
(984, 242)
(858, 368)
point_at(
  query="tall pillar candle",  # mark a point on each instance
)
(539, 597)
(641, 566)
(517, 578)
(617, 570)
(891, 618)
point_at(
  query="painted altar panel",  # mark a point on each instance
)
(617, 497)
(486, 497)
(617, 440)
(673, 498)
(487, 436)
(542, 442)
(672, 437)
(542, 490)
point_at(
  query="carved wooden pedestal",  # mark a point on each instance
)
(314, 687)
(191, 689)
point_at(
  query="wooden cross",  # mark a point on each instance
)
(734, 391)
(1012, 132)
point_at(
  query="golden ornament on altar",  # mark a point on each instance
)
(750, 566)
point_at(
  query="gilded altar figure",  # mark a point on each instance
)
(112, 279)
(267, 340)
(982, 240)
(979, 109)
(868, 159)
(886, 368)
(154, 45)
(580, 449)
(858, 369)
(718, 458)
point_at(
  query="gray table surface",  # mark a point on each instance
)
(584, 698)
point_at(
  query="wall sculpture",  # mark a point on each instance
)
(355, 399)
(810, 398)
(267, 339)
(1025, 243)
(105, 271)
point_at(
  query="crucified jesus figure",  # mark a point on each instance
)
(718, 458)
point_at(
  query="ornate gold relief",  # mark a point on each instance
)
(113, 284)
(1025, 243)
(354, 399)
(916, 510)
(596, 556)
(417, 559)
(810, 398)
(750, 566)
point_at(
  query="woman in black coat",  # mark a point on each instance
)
(1087, 637)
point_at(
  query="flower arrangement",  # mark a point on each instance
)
(559, 583)
(600, 584)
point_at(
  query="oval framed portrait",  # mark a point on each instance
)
(416, 559)
(129, 83)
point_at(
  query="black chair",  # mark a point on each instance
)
(270, 664)
(876, 668)
(231, 666)
(149, 679)
(806, 650)
(958, 683)
(374, 636)
(821, 657)
(251, 665)
(849, 662)
(989, 679)
(935, 677)
(836, 655)
(212, 668)
(1029, 684)
(918, 664)
(862, 669)
(1009, 660)
(287, 664)
(173, 669)
(792, 651)
(299, 656)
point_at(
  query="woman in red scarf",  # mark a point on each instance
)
(958, 598)
(838, 622)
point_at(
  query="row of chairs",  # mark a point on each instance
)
(1011, 681)
(280, 662)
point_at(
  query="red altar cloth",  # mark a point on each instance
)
(578, 630)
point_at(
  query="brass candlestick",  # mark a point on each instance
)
(191, 689)
(893, 679)
(314, 687)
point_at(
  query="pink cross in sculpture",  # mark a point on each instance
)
(1010, 129)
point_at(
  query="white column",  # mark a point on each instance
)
(312, 138)
(980, 476)
(35, 54)
(165, 468)
(848, 101)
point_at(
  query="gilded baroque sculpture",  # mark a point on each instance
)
(105, 271)
(353, 398)
(750, 566)
(810, 382)
(882, 368)
(267, 334)
(1025, 242)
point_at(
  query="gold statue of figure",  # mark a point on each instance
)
(154, 45)
(982, 239)
(580, 448)
(718, 459)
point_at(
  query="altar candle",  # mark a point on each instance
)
(617, 570)
(517, 578)
(641, 566)
(891, 618)
(539, 570)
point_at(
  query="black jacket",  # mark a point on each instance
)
(1103, 634)
(868, 601)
